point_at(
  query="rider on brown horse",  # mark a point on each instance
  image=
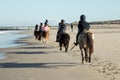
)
(83, 25)
(61, 29)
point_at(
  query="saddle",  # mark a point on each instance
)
(83, 36)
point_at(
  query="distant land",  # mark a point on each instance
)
(101, 22)
(110, 24)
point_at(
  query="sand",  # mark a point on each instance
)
(39, 61)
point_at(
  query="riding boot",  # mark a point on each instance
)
(76, 43)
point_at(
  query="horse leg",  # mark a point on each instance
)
(40, 37)
(47, 35)
(60, 44)
(82, 54)
(86, 55)
(91, 49)
(66, 47)
(89, 56)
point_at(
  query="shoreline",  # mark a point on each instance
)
(9, 39)
(14, 43)
(44, 61)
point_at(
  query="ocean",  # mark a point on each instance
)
(7, 39)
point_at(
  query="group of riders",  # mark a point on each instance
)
(42, 31)
(84, 37)
(83, 26)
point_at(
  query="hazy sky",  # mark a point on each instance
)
(31, 12)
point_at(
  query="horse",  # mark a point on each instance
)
(44, 34)
(85, 41)
(40, 35)
(36, 34)
(64, 41)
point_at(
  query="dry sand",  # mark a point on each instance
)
(39, 61)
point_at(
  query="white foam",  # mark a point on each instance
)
(2, 32)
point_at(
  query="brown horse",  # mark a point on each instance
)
(64, 41)
(44, 34)
(41, 35)
(85, 40)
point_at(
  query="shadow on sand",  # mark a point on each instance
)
(28, 53)
(37, 65)
(39, 47)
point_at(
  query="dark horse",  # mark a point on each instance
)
(64, 41)
(36, 34)
(40, 35)
(85, 40)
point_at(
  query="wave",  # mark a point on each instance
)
(3, 32)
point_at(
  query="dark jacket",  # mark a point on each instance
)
(83, 25)
(62, 28)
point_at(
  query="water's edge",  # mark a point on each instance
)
(11, 41)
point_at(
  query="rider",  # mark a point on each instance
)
(83, 25)
(40, 27)
(40, 31)
(46, 21)
(61, 29)
(36, 29)
(72, 27)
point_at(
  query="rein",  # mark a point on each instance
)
(72, 47)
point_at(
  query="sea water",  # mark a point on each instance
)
(7, 40)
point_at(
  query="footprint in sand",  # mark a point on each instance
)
(109, 69)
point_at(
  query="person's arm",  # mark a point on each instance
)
(65, 28)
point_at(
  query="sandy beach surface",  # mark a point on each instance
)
(39, 61)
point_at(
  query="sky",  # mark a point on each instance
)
(32, 12)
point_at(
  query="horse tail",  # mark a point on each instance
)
(90, 42)
(91, 49)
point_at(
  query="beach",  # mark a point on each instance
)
(40, 61)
